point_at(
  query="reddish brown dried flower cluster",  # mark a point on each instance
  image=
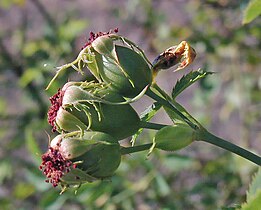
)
(94, 36)
(56, 102)
(54, 166)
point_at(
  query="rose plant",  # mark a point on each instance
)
(93, 116)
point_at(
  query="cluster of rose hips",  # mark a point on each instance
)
(93, 116)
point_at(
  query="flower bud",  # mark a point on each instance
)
(125, 69)
(174, 137)
(92, 106)
(183, 54)
(73, 160)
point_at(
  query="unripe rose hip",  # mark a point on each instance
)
(91, 106)
(123, 68)
(73, 160)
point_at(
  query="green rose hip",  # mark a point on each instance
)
(123, 68)
(92, 106)
(74, 160)
(115, 61)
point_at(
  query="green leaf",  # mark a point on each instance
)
(252, 11)
(254, 193)
(188, 80)
(254, 186)
(146, 116)
(82, 177)
(253, 203)
(150, 112)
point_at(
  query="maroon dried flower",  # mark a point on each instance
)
(54, 165)
(75, 160)
(56, 103)
(94, 36)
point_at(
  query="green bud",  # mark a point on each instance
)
(73, 160)
(91, 106)
(123, 68)
(174, 137)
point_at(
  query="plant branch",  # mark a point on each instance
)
(139, 148)
(175, 103)
(201, 133)
(153, 126)
(170, 105)
(204, 135)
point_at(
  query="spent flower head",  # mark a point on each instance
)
(94, 36)
(88, 105)
(115, 61)
(56, 103)
(74, 159)
(182, 54)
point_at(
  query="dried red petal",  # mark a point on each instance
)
(94, 36)
(56, 102)
(54, 166)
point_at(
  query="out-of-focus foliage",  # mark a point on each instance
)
(41, 35)
(252, 11)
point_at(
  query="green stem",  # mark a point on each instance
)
(162, 92)
(175, 103)
(168, 104)
(204, 135)
(149, 125)
(129, 150)
(201, 133)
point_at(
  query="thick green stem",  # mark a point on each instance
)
(139, 148)
(149, 125)
(171, 106)
(204, 135)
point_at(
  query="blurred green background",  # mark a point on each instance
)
(38, 35)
